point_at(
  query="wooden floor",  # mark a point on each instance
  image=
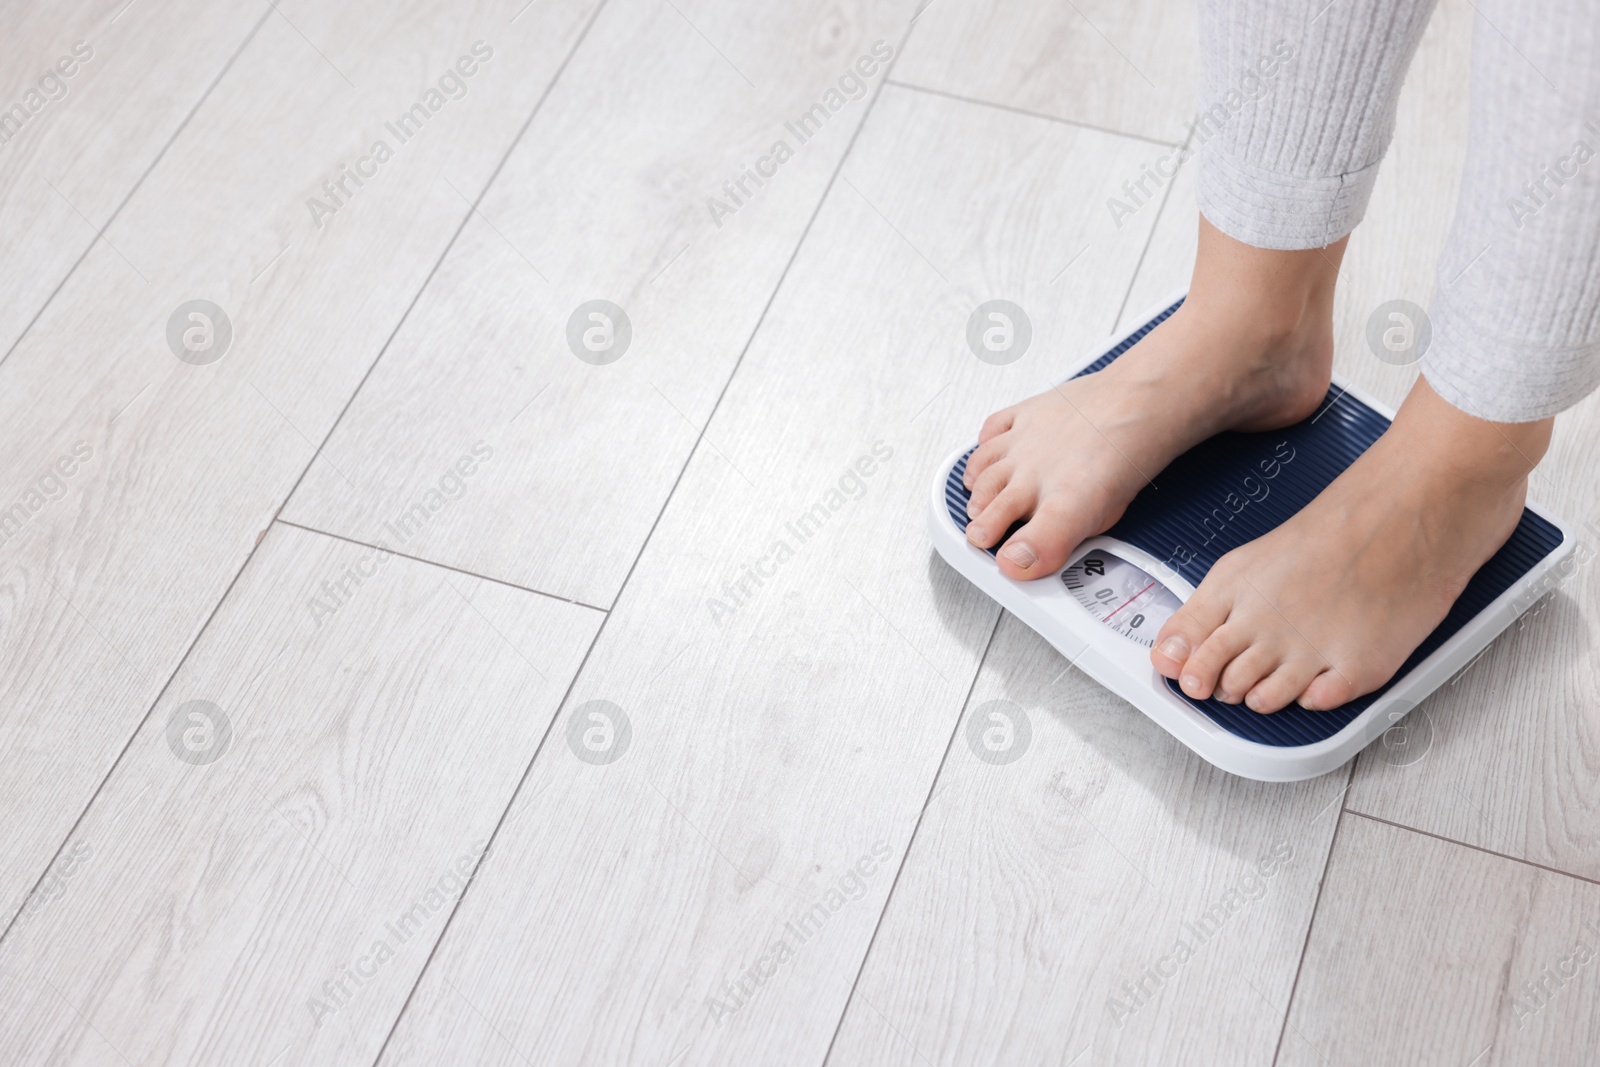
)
(381, 682)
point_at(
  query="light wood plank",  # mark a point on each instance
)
(1169, 260)
(593, 451)
(1427, 952)
(1108, 896)
(775, 747)
(200, 907)
(85, 139)
(108, 581)
(1124, 66)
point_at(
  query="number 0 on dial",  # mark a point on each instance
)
(1121, 595)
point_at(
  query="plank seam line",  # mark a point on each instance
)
(772, 297)
(488, 849)
(645, 544)
(1344, 810)
(1149, 239)
(472, 210)
(1476, 848)
(511, 802)
(911, 841)
(250, 556)
(974, 101)
(435, 563)
(138, 183)
(1316, 906)
(133, 735)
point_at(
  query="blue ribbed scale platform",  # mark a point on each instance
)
(1235, 487)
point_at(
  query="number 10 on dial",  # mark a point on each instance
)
(1121, 595)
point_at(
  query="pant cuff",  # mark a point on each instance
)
(1504, 380)
(1283, 212)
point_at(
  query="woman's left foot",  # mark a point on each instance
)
(1326, 607)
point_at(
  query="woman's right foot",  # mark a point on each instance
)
(1250, 349)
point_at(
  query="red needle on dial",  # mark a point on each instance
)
(1131, 599)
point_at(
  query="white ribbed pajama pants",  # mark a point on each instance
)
(1288, 160)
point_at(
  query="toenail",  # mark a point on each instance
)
(974, 532)
(973, 507)
(1019, 553)
(1175, 648)
(1222, 697)
(1190, 683)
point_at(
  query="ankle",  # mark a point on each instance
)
(1278, 298)
(1466, 449)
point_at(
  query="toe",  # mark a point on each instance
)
(1188, 628)
(1013, 503)
(982, 458)
(987, 486)
(1328, 690)
(996, 424)
(1245, 670)
(1043, 545)
(1278, 690)
(1207, 662)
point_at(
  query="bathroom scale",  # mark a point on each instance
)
(1104, 608)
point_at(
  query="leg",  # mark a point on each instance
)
(1299, 108)
(1516, 311)
(1327, 607)
(1289, 148)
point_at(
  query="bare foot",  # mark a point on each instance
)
(1250, 349)
(1328, 606)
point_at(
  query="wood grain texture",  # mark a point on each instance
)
(776, 744)
(1050, 906)
(591, 452)
(1168, 261)
(1423, 951)
(199, 908)
(109, 572)
(709, 876)
(1128, 66)
(80, 142)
